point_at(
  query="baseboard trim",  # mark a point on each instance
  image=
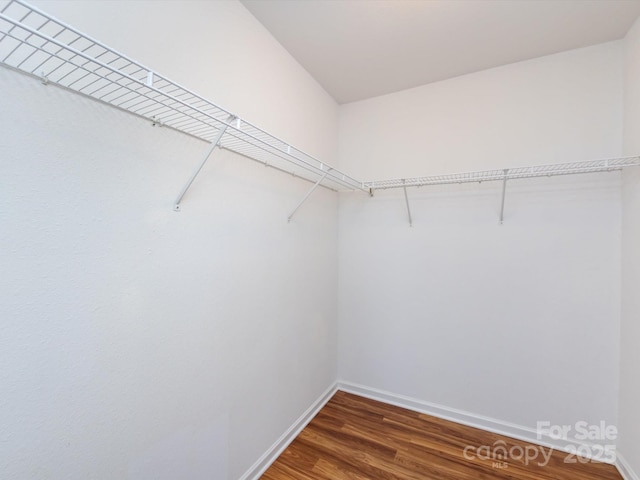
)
(625, 469)
(462, 417)
(270, 456)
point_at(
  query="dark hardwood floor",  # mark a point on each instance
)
(354, 438)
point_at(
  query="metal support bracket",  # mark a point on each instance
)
(504, 192)
(406, 199)
(307, 195)
(212, 146)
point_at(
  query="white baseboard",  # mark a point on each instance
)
(258, 468)
(625, 469)
(462, 417)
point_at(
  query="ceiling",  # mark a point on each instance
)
(358, 49)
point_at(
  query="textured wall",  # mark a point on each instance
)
(141, 343)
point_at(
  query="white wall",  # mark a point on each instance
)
(144, 344)
(630, 351)
(518, 322)
(138, 342)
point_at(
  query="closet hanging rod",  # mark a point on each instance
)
(549, 170)
(35, 43)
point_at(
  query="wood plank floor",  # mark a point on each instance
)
(353, 438)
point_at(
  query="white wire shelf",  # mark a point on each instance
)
(550, 170)
(33, 42)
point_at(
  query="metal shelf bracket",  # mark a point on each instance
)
(315, 185)
(406, 199)
(504, 192)
(206, 156)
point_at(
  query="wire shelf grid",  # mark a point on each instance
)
(37, 44)
(570, 168)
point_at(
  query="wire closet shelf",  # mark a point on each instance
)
(37, 44)
(572, 168)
